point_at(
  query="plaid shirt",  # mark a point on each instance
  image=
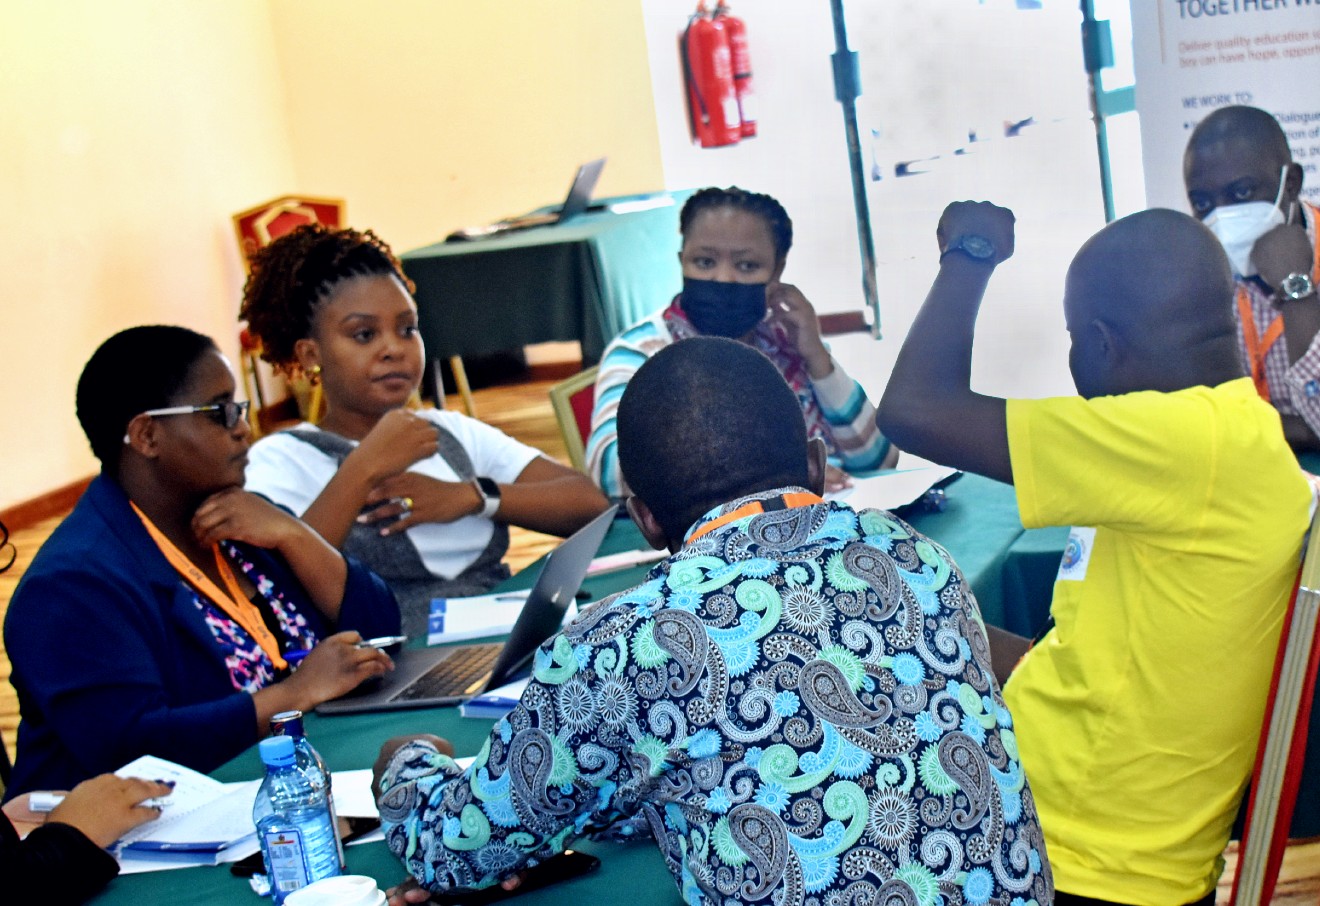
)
(1294, 388)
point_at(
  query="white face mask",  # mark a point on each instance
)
(1238, 226)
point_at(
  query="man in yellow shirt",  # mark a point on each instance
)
(1137, 715)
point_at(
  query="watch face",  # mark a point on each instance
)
(488, 486)
(1296, 286)
(976, 246)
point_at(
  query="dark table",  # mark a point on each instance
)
(584, 280)
(1010, 569)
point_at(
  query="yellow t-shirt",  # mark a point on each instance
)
(1137, 715)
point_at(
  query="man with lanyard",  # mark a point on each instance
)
(1244, 185)
(798, 703)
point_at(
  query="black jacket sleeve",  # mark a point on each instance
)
(56, 863)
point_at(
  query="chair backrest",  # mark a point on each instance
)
(257, 227)
(573, 400)
(1281, 751)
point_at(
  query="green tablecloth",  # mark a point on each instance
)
(1010, 570)
(584, 280)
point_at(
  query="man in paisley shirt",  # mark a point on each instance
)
(798, 703)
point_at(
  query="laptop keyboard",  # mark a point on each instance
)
(455, 675)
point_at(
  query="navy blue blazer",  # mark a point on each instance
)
(112, 659)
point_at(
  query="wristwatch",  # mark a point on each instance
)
(1297, 285)
(978, 248)
(490, 495)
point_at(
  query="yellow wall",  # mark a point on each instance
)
(428, 115)
(133, 129)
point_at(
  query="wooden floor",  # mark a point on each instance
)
(523, 411)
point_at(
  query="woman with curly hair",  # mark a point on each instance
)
(425, 498)
(734, 247)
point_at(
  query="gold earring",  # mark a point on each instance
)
(314, 374)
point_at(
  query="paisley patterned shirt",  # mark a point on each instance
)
(798, 704)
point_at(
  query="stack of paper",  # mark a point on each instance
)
(892, 490)
(203, 822)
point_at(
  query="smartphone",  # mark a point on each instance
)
(349, 830)
(568, 864)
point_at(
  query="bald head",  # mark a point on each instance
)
(1148, 307)
(1237, 155)
(706, 421)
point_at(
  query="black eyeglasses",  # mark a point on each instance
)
(226, 415)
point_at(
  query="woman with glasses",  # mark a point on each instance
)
(424, 498)
(165, 614)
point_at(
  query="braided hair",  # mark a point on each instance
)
(295, 273)
(763, 206)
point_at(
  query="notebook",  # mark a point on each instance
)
(426, 677)
(577, 202)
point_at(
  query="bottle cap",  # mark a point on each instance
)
(276, 752)
(287, 723)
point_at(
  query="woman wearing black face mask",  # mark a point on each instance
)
(735, 245)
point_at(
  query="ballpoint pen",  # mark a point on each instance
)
(294, 658)
(384, 641)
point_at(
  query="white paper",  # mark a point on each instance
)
(641, 204)
(353, 796)
(624, 560)
(891, 489)
(456, 619)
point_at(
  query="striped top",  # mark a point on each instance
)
(835, 407)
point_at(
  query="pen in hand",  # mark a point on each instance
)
(384, 641)
(294, 658)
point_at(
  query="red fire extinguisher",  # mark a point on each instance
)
(708, 71)
(741, 57)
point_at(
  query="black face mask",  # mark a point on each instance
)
(723, 309)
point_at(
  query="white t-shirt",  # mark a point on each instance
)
(294, 473)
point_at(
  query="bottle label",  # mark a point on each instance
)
(288, 869)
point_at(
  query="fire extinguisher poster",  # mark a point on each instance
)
(717, 71)
(1193, 56)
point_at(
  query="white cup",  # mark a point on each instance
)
(343, 890)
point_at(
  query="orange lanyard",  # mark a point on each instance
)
(235, 604)
(787, 501)
(1258, 344)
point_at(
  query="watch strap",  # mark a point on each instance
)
(490, 496)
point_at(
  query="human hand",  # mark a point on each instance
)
(107, 807)
(977, 218)
(1284, 250)
(398, 440)
(238, 515)
(406, 892)
(334, 667)
(409, 499)
(836, 479)
(394, 743)
(791, 311)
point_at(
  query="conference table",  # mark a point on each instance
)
(1010, 569)
(586, 279)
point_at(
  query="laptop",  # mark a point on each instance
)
(447, 675)
(577, 202)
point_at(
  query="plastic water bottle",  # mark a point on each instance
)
(293, 823)
(290, 724)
